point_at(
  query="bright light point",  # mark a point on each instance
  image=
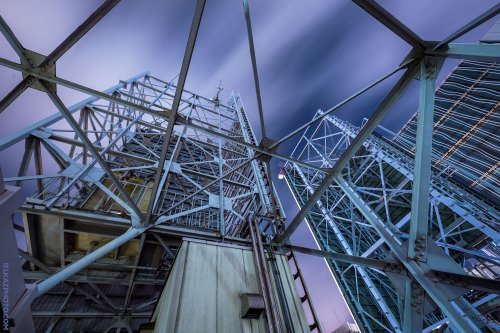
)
(281, 176)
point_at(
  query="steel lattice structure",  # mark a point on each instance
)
(194, 185)
(378, 189)
(125, 162)
(195, 196)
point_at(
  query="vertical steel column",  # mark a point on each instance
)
(419, 221)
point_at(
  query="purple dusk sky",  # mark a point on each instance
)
(310, 55)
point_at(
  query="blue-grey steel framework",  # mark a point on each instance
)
(192, 199)
(379, 179)
(94, 149)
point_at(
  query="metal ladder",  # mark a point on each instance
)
(298, 275)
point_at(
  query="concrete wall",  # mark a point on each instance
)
(201, 293)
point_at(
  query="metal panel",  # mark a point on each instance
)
(208, 281)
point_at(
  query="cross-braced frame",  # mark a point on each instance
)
(197, 192)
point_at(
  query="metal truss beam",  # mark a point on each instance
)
(124, 224)
(79, 32)
(37, 275)
(14, 42)
(24, 133)
(137, 101)
(139, 107)
(375, 293)
(254, 66)
(437, 191)
(50, 314)
(338, 105)
(88, 144)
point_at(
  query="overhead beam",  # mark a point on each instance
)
(254, 66)
(52, 314)
(490, 13)
(391, 22)
(38, 275)
(354, 260)
(14, 42)
(79, 32)
(477, 52)
(16, 92)
(465, 281)
(338, 105)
